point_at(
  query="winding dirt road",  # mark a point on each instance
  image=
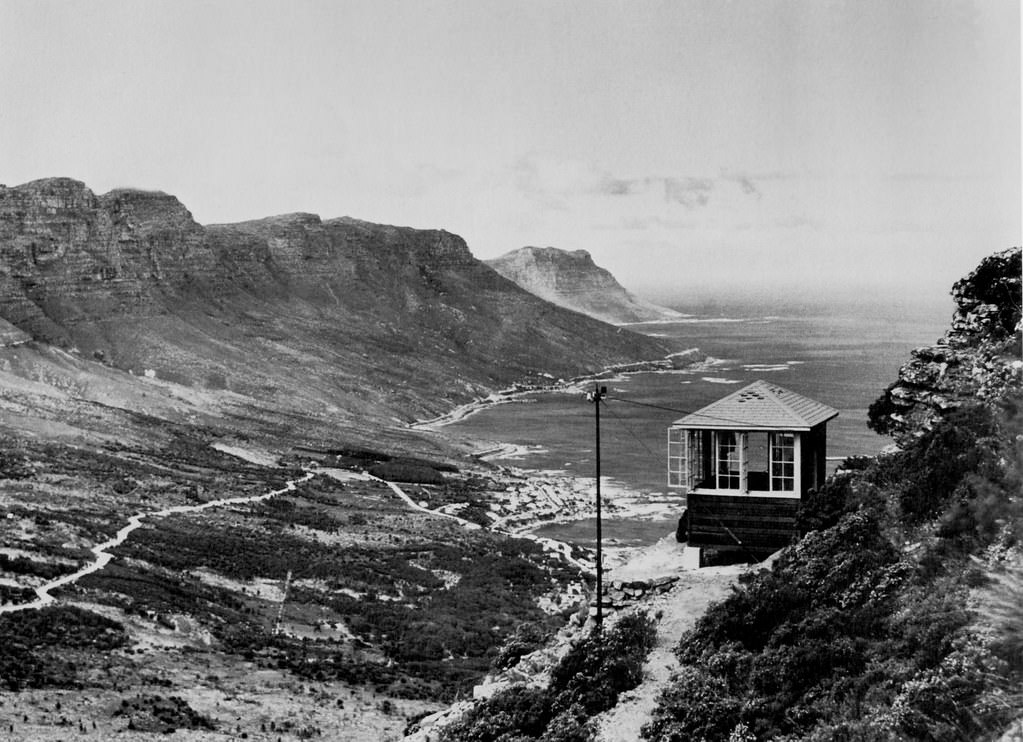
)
(102, 551)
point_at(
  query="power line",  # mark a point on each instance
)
(639, 440)
(676, 410)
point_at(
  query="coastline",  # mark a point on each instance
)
(679, 361)
(536, 498)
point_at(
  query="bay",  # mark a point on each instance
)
(841, 354)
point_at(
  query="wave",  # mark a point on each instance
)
(720, 380)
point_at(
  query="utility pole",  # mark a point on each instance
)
(598, 393)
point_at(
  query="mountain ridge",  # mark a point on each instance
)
(572, 280)
(307, 317)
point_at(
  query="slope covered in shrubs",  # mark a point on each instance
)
(899, 614)
(587, 681)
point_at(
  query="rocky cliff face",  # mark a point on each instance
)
(572, 280)
(977, 359)
(339, 316)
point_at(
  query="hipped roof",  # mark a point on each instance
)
(760, 406)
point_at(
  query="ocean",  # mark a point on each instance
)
(841, 354)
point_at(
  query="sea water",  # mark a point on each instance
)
(843, 355)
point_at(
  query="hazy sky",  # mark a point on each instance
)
(698, 145)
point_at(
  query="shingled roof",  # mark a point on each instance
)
(760, 406)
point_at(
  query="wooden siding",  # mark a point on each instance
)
(759, 522)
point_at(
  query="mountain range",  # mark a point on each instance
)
(299, 324)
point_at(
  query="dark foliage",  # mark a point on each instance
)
(604, 664)
(587, 681)
(437, 640)
(929, 472)
(528, 638)
(161, 715)
(35, 646)
(849, 637)
(880, 412)
(402, 471)
(24, 566)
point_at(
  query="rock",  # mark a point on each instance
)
(975, 360)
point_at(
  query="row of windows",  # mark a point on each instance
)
(731, 459)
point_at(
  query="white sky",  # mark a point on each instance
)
(689, 145)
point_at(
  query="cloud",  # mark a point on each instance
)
(556, 182)
(747, 185)
(689, 192)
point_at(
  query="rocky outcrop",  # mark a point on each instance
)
(572, 280)
(337, 316)
(977, 359)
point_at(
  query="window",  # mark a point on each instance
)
(728, 461)
(677, 457)
(695, 452)
(783, 462)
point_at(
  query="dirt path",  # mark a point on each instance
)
(102, 551)
(680, 607)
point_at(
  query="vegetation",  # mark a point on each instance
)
(862, 630)
(400, 471)
(148, 713)
(38, 646)
(587, 681)
(427, 615)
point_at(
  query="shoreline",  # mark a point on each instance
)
(535, 498)
(679, 361)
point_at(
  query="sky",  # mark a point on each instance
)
(693, 147)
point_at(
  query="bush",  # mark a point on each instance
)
(35, 646)
(398, 471)
(587, 681)
(926, 475)
(528, 638)
(604, 664)
(518, 712)
(697, 706)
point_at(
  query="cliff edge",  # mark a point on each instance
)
(979, 357)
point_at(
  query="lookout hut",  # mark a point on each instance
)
(745, 463)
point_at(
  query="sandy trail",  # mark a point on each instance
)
(681, 607)
(102, 551)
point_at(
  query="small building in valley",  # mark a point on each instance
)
(745, 463)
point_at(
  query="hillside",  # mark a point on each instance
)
(289, 323)
(573, 281)
(898, 614)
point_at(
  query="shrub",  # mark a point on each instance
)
(926, 475)
(528, 637)
(604, 664)
(398, 471)
(518, 712)
(587, 681)
(696, 705)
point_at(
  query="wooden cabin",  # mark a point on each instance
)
(744, 463)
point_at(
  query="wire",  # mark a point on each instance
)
(675, 409)
(631, 432)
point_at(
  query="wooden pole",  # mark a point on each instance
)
(598, 394)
